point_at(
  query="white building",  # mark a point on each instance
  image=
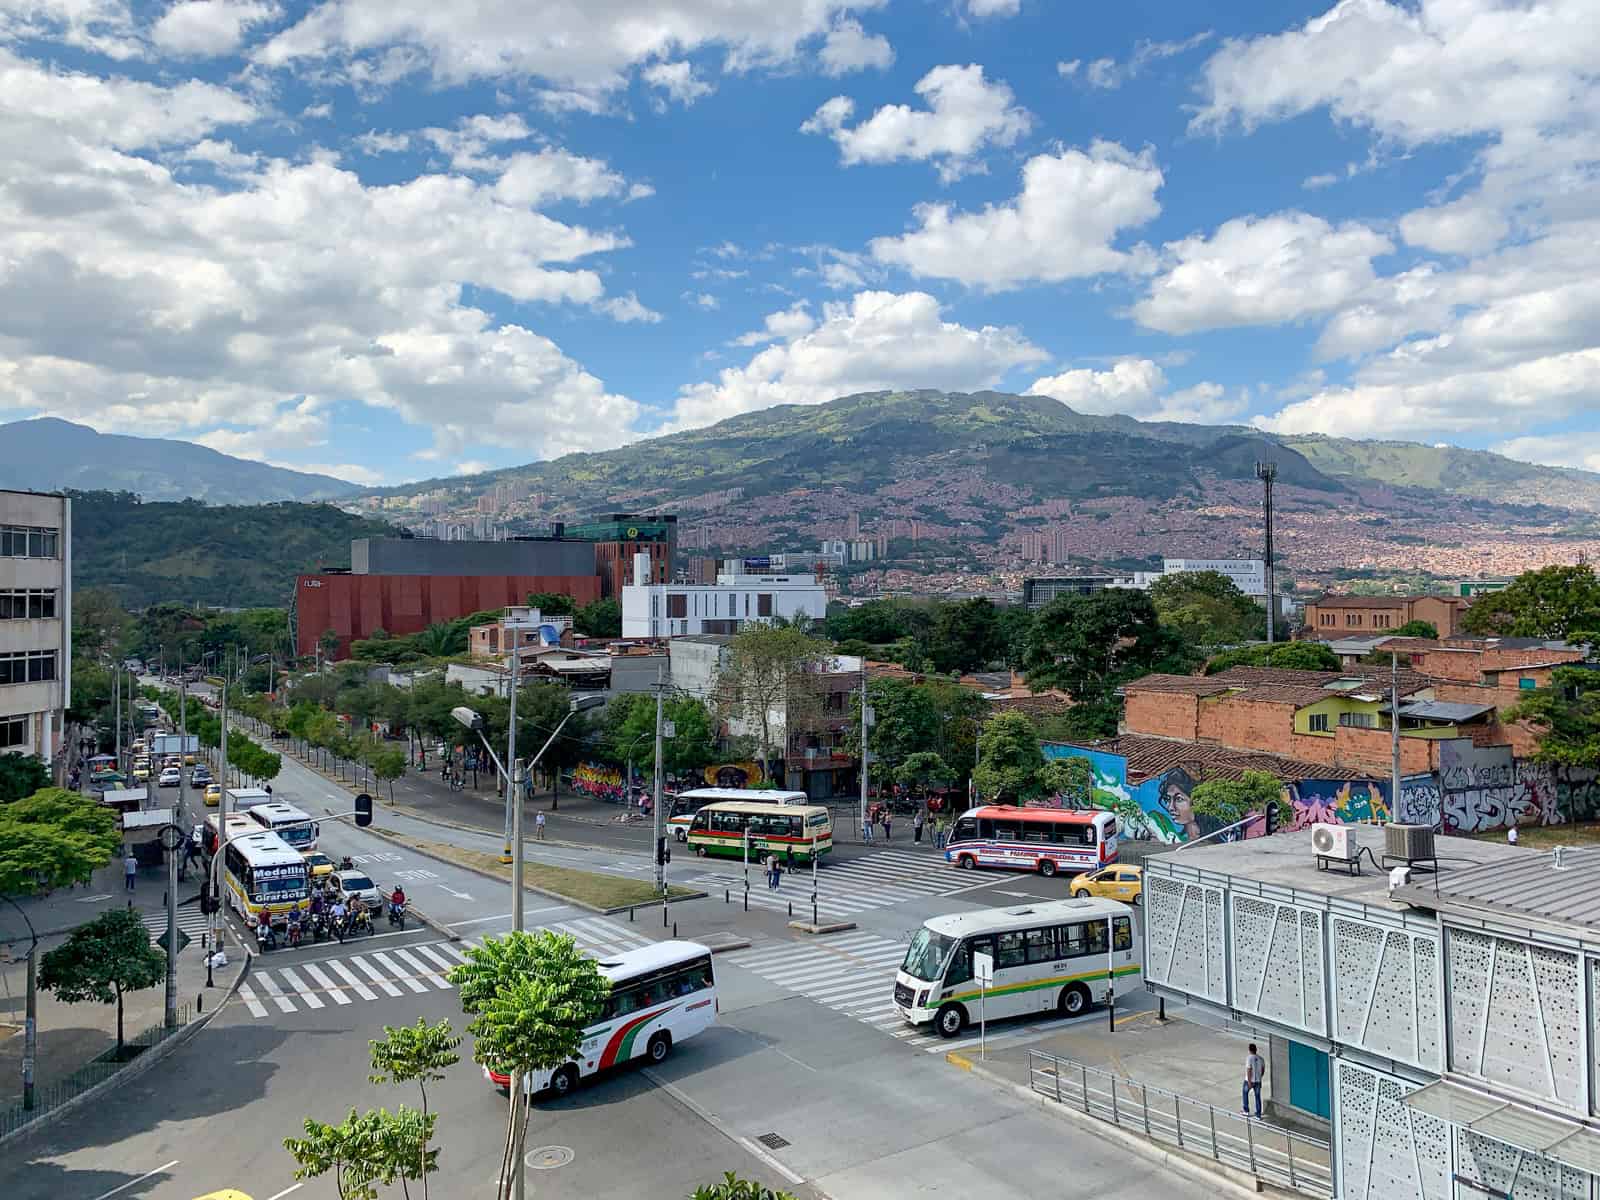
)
(35, 621)
(1248, 574)
(663, 610)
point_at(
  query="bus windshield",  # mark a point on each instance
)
(926, 957)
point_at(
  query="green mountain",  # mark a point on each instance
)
(49, 455)
(234, 557)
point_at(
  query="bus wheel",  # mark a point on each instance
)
(660, 1046)
(700, 850)
(680, 835)
(1074, 1000)
(966, 862)
(1047, 867)
(564, 1080)
(950, 1021)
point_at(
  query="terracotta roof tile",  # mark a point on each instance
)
(1149, 757)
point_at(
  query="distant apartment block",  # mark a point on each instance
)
(661, 610)
(1335, 616)
(35, 622)
(1249, 575)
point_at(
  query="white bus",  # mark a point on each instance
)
(215, 835)
(1054, 956)
(682, 807)
(265, 878)
(293, 825)
(660, 995)
(242, 799)
(1046, 840)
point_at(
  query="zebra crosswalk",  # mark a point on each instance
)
(190, 920)
(880, 879)
(376, 970)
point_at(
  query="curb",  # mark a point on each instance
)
(824, 927)
(435, 925)
(1226, 1180)
(139, 1066)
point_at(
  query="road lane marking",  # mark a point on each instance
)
(276, 992)
(257, 1009)
(397, 972)
(433, 956)
(381, 980)
(141, 1179)
(421, 968)
(306, 994)
(328, 985)
(361, 989)
(293, 1187)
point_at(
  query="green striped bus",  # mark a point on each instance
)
(724, 828)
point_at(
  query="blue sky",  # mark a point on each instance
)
(393, 239)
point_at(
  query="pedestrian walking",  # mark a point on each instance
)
(1511, 836)
(866, 829)
(886, 824)
(538, 826)
(1255, 1070)
(774, 873)
(130, 870)
(938, 833)
(916, 826)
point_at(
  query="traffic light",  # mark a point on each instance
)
(663, 852)
(1272, 817)
(363, 810)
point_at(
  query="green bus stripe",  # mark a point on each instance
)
(1016, 989)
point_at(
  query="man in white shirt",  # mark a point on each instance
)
(1255, 1070)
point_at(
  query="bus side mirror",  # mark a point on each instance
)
(363, 810)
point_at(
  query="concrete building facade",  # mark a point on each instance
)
(35, 622)
(432, 556)
(662, 610)
(1334, 616)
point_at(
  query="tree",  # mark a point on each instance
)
(102, 961)
(389, 765)
(1418, 629)
(1552, 602)
(602, 619)
(366, 1149)
(764, 681)
(1016, 623)
(442, 639)
(99, 624)
(1009, 760)
(21, 775)
(1085, 721)
(553, 604)
(530, 995)
(1070, 778)
(966, 636)
(1088, 645)
(923, 771)
(52, 839)
(419, 1054)
(734, 1188)
(1566, 715)
(1285, 656)
(1224, 802)
(328, 644)
(1206, 608)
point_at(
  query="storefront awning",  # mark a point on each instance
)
(1567, 1142)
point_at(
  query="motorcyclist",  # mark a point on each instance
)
(338, 915)
(316, 902)
(358, 912)
(294, 926)
(397, 904)
(346, 864)
(264, 928)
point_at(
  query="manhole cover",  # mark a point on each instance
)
(548, 1158)
(773, 1141)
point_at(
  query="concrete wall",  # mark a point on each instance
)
(43, 703)
(429, 556)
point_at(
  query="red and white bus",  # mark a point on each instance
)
(1045, 840)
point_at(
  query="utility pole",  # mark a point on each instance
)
(1394, 728)
(172, 853)
(514, 803)
(866, 721)
(1267, 472)
(655, 808)
(116, 681)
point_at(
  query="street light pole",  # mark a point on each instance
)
(866, 718)
(514, 804)
(655, 808)
(171, 1015)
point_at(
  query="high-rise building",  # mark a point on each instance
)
(617, 537)
(35, 622)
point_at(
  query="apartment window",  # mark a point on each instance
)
(27, 541)
(1326, 619)
(677, 605)
(28, 666)
(764, 604)
(22, 604)
(1352, 619)
(13, 732)
(1380, 621)
(1319, 722)
(1358, 720)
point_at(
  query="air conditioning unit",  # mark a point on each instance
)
(1408, 843)
(1331, 841)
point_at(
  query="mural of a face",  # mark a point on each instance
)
(1175, 799)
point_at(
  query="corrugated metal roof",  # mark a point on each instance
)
(1531, 886)
(1441, 710)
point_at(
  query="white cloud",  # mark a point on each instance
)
(1575, 448)
(628, 309)
(144, 302)
(1461, 227)
(677, 80)
(703, 300)
(377, 142)
(529, 180)
(788, 323)
(993, 8)
(872, 342)
(1260, 271)
(318, 112)
(965, 114)
(100, 26)
(1072, 206)
(848, 47)
(208, 28)
(584, 47)
(349, 472)
(1137, 387)
(1108, 73)
(472, 466)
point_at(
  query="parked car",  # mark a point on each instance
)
(199, 775)
(141, 769)
(1116, 882)
(213, 795)
(170, 777)
(357, 883)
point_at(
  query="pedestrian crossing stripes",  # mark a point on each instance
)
(373, 969)
(853, 974)
(881, 879)
(190, 920)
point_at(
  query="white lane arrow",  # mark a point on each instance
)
(456, 894)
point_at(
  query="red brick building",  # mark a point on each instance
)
(1335, 616)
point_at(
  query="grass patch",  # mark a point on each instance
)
(585, 887)
(1542, 837)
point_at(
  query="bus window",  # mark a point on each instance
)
(797, 827)
(1124, 934)
(1038, 832)
(966, 829)
(1041, 944)
(1094, 937)
(1086, 835)
(1013, 950)
(985, 828)
(1004, 831)
(960, 969)
(699, 822)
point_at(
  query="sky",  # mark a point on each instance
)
(400, 239)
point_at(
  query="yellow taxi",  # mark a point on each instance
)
(213, 795)
(189, 759)
(318, 865)
(141, 769)
(1116, 882)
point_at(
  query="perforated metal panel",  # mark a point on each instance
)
(1387, 1151)
(1385, 992)
(1185, 947)
(1516, 1016)
(1503, 1169)
(1277, 962)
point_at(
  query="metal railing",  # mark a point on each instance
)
(1272, 1154)
(53, 1095)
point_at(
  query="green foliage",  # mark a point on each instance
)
(934, 716)
(1083, 722)
(54, 838)
(234, 556)
(966, 636)
(553, 604)
(924, 771)
(1088, 645)
(763, 662)
(419, 1054)
(387, 766)
(602, 619)
(1418, 629)
(734, 1188)
(99, 625)
(1567, 717)
(1206, 608)
(366, 1149)
(1070, 778)
(1009, 760)
(878, 622)
(1285, 656)
(21, 775)
(1552, 602)
(103, 960)
(630, 728)
(1228, 801)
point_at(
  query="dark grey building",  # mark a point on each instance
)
(1039, 591)
(430, 556)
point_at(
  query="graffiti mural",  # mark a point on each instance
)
(1421, 802)
(734, 775)
(1339, 802)
(1155, 810)
(1464, 767)
(600, 780)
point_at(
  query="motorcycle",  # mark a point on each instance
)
(319, 927)
(266, 935)
(340, 927)
(294, 933)
(397, 913)
(361, 922)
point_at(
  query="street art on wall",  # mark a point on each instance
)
(1421, 802)
(1464, 767)
(1338, 802)
(600, 780)
(1536, 794)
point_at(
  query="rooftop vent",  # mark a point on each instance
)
(1408, 843)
